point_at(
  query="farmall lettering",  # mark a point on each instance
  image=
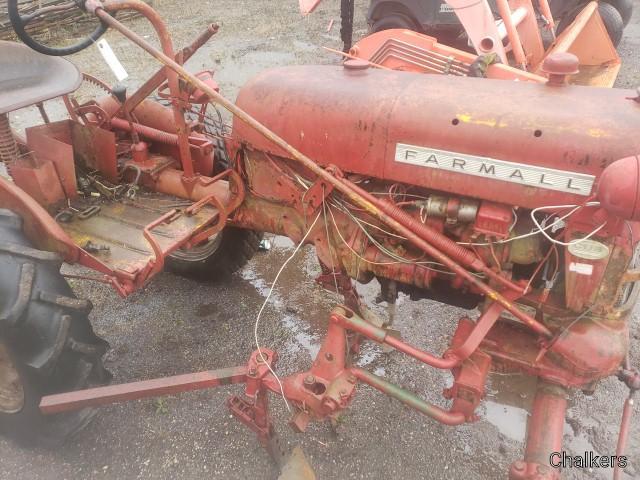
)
(532, 176)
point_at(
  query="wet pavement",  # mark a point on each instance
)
(177, 326)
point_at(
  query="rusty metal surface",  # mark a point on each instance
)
(52, 142)
(115, 234)
(28, 77)
(406, 50)
(149, 388)
(11, 388)
(297, 467)
(545, 429)
(39, 226)
(363, 123)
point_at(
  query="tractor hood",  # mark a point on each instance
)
(517, 143)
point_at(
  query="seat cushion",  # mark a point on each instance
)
(28, 77)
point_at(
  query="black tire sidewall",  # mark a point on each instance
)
(610, 17)
(624, 8)
(393, 20)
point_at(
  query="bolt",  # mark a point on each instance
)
(252, 371)
(309, 380)
(328, 356)
(519, 465)
(329, 404)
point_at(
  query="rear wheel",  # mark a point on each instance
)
(393, 20)
(216, 259)
(610, 17)
(47, 344)
(624, 7)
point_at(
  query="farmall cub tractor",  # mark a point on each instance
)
(519, 198)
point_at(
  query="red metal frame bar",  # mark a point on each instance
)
(544, 435)
(125, 392)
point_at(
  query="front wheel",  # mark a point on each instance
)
(217, 258)
(47, 344)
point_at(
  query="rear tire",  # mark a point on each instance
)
(47, 344)
(613, 22)
(624, 7)
(394, 20)
(610, 17)
(216, 260)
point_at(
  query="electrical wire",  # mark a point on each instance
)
(266, 300)
(326, 228)
(538, 230)
(558, 242)
(382, 248)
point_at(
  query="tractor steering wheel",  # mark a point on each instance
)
(20, 22)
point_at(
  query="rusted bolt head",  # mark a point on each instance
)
(558, 66)
(329, 404)
(328, 356)
(519, 465)
(309, 380)
(356, 64)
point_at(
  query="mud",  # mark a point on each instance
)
(176, 326)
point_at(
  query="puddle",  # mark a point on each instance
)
(507, 405)
(368, 354)
(380, 371)
(304, 340)
(281, 243)
(299, 338)
(510, 421)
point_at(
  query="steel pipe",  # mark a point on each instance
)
(408, 398)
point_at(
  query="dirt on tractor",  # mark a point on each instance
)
(176, 325)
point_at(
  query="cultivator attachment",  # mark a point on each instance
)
(325, 390)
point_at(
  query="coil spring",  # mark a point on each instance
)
(8, 146)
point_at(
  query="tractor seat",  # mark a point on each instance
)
(28, 77)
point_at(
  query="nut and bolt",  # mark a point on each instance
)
(309, 380)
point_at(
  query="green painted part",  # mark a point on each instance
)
(408, 398)
(368, 329)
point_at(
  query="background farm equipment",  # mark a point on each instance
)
(449, 206)
(515, 34)
(439, 19)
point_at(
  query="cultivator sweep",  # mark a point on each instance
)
(518, 198)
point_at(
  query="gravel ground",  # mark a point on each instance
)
(176, 326)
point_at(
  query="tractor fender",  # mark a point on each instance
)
(39, 227)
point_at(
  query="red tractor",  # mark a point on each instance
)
(519, 198)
